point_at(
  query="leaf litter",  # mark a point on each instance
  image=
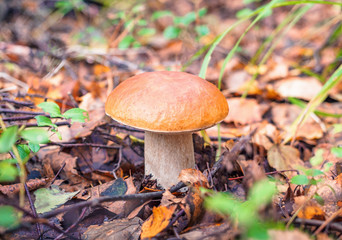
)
(102, 159)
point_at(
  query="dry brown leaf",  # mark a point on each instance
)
(55, 159)
(116, 229)
(117, 207)
(299, 87)
(169, 199)
(284, 115)
(193, 177)
(288, 235)
(158, 221)
(265, 132)
(283, 157)
(245, 111)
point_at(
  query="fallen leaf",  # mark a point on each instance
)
(193, 177)
(299, 87)
(159, 220)
(116, 229)
(193, 206)
(283, 157)
(283, 115)
(311, 209)
(51, 198)
(245, 111)
(288, 235)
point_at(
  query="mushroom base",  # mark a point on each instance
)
(166, 155)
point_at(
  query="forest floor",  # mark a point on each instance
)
(271, 169)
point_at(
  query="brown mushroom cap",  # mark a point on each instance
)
(167, 102)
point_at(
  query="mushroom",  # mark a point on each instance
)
(169, 107)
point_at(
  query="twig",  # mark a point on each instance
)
(27, 104)
(97, 201)
(2, 110)
(12, 119)
(36, 125)
(317, 223)
(329, 220)
(114, 125)
(234, 152)
(59, 171)
(268, 173)
(74, 224)
(66, 145)
(73, 100)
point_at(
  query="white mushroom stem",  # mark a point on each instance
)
(166, 155)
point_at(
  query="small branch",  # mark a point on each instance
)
(234, 152)
(74, 224)
(12, 119)
(2, 110)
(27, 104)
(313, 222)
(66, 145)
(97, 201)
(329, 220)
(268, 173)
(59, 171)
(36, 125)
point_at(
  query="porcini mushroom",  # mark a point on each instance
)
(169, 107)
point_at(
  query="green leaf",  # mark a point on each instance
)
(244, 13)
(9, 218)
(142, 22)
(327, 166)
(126, 42)
(8, 172)
(8, 138)
(300, 180)
(76, 115)
(35, 135)
(186, 19)
(34, 147)
(337, 128)
(146, 32)
(43, 121)
(262, 192)
(202, 12)
(171, 32)
(337, 151)
(249, 1)
(319, 199)
(313, 172)
(318, 158)
(52, 108)
(24, 152)
(202, 30)
(51, 198)
(222, 203)
(159, 14)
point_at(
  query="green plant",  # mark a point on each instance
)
(20, 143)
(246, 213)
(183, 23)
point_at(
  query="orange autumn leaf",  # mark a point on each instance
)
(311, 212)
(159, 220)
(99, 69)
